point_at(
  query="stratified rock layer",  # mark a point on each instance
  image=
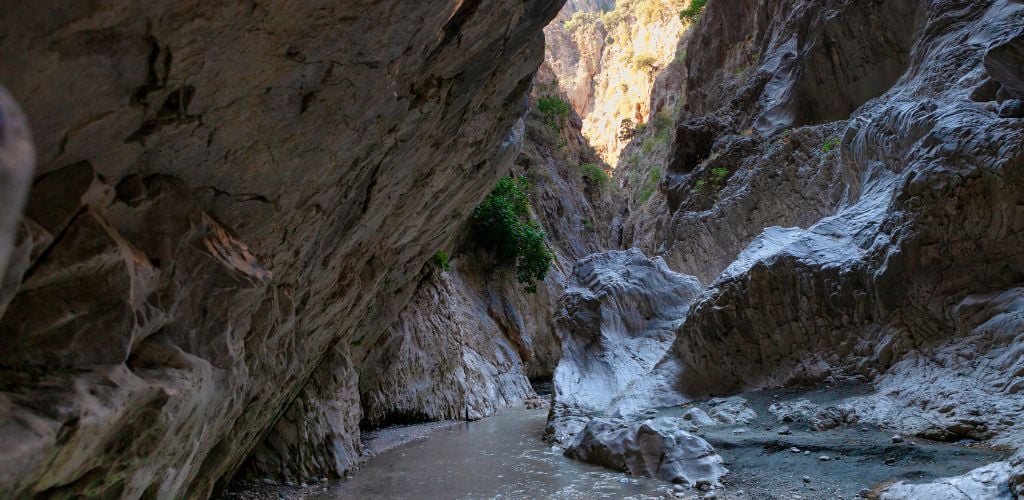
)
(231, 193)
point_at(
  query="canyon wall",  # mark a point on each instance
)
(897, 176)
(472, 336)
(233, 202)
(606, 56)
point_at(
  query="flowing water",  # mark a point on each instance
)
(499, 457)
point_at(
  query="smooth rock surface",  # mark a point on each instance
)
(617, 319)
(651, 448)
(988, 482)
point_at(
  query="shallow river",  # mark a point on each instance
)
(499, 457)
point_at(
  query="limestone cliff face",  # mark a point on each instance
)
(233, 199)
(900, 168)
(608, 55)
(470, 339)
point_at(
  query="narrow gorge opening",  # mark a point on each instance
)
(512, 249)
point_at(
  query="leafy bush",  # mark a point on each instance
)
(651, 184)
(553, 110)
(663, 119)
(594, 174)
(693, 12)
(645, 62)
(580, 20)
(829, 144)
(502, 226)
(440, 259)
(713, 181)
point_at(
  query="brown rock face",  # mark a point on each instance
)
(230, 195)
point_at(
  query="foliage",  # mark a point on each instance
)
(502, 225)
(580, 20)
(627, 130)
(650, 185)
(693, 11)
(713, 181)
(440, 259)
(645, 62)
(594, 174)
(663, 119)
(829, 144)
(553, 110)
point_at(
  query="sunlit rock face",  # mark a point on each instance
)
(233, 202)
(911, 277)
(610, 54)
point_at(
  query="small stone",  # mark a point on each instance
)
(864, 493)
(702, 484)
(890, 461)
(824, 458)
(784, 430)
(289, 483)
(323, 479)
(678, 488)
(795, 449)
(897, 439)
(303, 485)
(807, 453)
(837, 457)
(738, 431)
(863, 429)
(806, 479)
(269, 481)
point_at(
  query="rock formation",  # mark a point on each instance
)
(652, 448)
(618, 317)
(232, 199)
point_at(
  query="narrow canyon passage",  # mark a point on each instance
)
(768, 249)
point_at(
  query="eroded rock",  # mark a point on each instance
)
(652, 448)
(989, 482)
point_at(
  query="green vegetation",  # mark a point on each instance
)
(663, 119)
(714, 181)
(502, 225)
(627, 130)
(645, 62)
(650, 185)
(594, 174)
(553, 110)
(580, 20)
(692, 13)
(829, 144)
(440, 259)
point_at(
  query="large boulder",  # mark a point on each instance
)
(657, 448)
(618, 317)
(988, 482)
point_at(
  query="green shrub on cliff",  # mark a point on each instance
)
(693, 11)
(440, 259)
(553, 110)
(502, 226)
(594, 174)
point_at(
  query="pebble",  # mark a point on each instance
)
(784, 430)
(1012, 108)
(890, 461)
(303, 485)
(864, 493)
(269, 481)
(795, 449)
(863, 429)
(677, 488)
(806, 479)
(738, 431)
(824, 458)
(807, 453)
(897, 439)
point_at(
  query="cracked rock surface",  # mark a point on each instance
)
(230, 195)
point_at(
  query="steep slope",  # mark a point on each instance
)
(914, 282)
(231, 195)
(472, 336)
(607, 56)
